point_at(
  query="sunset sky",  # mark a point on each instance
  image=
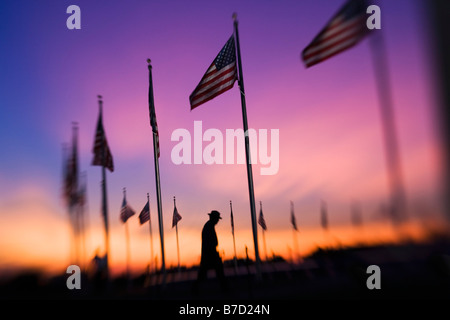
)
(330, 138)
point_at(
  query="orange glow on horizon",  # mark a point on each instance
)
(43, 242)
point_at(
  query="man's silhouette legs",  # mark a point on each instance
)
(202, 273)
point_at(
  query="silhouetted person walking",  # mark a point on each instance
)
(210, 257)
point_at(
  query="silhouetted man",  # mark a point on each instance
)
(210, 257)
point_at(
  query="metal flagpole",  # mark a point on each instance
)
(127, 236)
(398, 201)
(105, 219)
(158, 183)
(295, 247)
(104, 202)
(324, 219)
(264, 241)
(151, 235)
(294, 232)
(75, 207)
(82, 195)
(247, 152)
(65, 173)
(264, 234)
(176, 231)
(234, 240)
(178, 247)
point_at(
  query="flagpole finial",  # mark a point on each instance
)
(100, 102)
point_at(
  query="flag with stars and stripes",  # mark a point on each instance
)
(232, 220)
(126, 211)
(294, 223)
(261, 220)
(176, 217)
(144, 216)
(102, 154)
(220, 76)
(152, 112)
(324, 215)
(71, 173)
(345, 29)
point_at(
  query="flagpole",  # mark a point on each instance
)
(397, 190)
(151, 236)
(82, 206)
(178, 244)
(74, 203)
(178, 247)
(157, 178)
(247, 151)
(295, 246)
(127, 238)
(264, 234)
(65, 161)
(104, 196)
(294, 233)
(264, 241)
(234, 241)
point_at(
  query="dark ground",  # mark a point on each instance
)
(408, 271)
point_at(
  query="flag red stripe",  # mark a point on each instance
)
(220, 74)
(100, 146)
(213, 89)
(143, 218)
(213, 96)
(310, 50)
(319, 58)
(338, 23)
(214, 75)
(345, 29)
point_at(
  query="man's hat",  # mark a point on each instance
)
(215, 214)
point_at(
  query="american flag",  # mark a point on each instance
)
(125, 212)
(82, 193)
(232, 219)
(294, 223)
(157, 139)
(324, 215)
(71, 173)
(152, 112)
(144, 216)
(344, 30)
(176, 217)
(261, 220)
(220, 76)
(100, 146)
